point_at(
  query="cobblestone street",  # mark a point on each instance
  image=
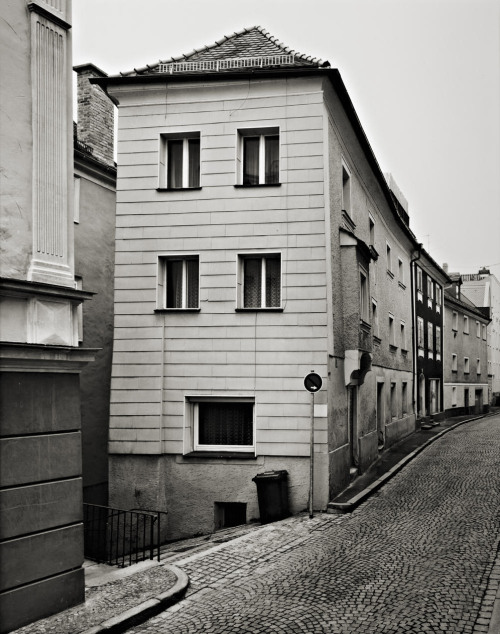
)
(416, 557)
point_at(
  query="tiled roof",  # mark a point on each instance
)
(254, 42)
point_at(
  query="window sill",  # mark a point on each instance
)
(263, 309)
(377, 339)
(392, 348)
(390, 274)
(177, 310)
(227, 455)
(404, 351)
(241, 186)
(177, 189)
(401, 285)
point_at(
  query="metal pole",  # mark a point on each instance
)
(311, 461)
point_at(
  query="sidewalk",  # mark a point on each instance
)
(118, 598)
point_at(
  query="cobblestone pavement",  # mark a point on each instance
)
(416, 557)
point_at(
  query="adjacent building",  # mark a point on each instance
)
(429, 281)
(41, 532)
(466, 355)
(257, 240)
(483, 289)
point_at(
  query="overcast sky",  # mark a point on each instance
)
(424, 78)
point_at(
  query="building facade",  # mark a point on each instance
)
(429, 281)
(483, 289)
(257, 240)
(41, 530)
(466, 355)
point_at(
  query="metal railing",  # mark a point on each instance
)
(225, 64)
(118, 537)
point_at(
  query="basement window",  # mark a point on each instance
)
(228, 514)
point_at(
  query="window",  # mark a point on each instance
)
(375, 326)
(439, 298)
(454, 363)
(478, 366)
(180, 160)
(392, 334)
(222, 424)
(430, 292)
(484, 331)
(76, 199)
(259, 156)
(394, 407)
(454, 321)
(389, 259)
(420, 336)
(420, 285)
(178, 282)
(403, 336)
(260, 281)
(401, 272)
(404, 397)
(466, 365)
(371, 225)
(363, 300)
(438, 343)
(346, 189)
(430, 342)
(478, 329)
(466, 325)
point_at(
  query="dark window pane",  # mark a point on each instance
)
(174, 284)
(272, 159)
(273, 286)
(192, 283)
(194, 163)
(174, 175)
(251, 160)
(225, 424)
(252, 283)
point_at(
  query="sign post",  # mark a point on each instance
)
(312, 383)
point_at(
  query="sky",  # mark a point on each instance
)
(423, 75)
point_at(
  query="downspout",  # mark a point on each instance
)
(412, 288)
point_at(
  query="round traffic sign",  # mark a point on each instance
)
(313, 382)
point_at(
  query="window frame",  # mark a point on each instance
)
(388, 255)
(454, 321)
(466, 365)
(346, 202)
(430, 291)
(261, 133)
(375, 320)
(403, 335)
(364, 307)
(466, 325)
(420, 284)
(454, 362)
(420, 336)
(161, 283)
(478, 366)
(430, 340)
(438, 342)
(240, 277)
(163, 163)
(439, 298)
(401, 273)
(392, 331)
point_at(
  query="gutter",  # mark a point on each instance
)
(412, 295)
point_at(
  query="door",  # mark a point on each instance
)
(478, 408)
(380, 415)
(353, 415)
(466, 400)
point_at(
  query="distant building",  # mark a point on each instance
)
(41, 532)
(257, 240)
(483, 289)
(94, 217)
(466, 356)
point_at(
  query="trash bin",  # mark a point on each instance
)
(272, 493)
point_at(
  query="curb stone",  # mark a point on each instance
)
(147, 609)
(348, 507)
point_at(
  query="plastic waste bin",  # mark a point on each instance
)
(272, 493)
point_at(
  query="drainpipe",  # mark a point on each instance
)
(412, 287)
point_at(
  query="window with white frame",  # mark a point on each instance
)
(76, 198)
(420, 285)
(466, 325)
(454, 321)
(454, 363)
(478, 329)
(178, 282)
(259, 280)
(478, 366)
(392, 333)
(371, 228)
(438, 343)
(388, 251)
(484, 331)
(375, 324)
(258, 156)
(420, 336)
(430, 340)
(363, 296)
(466, 365)
(439, 298)
(430, 291)
(179, 160)
(222, 424)
(346, 189)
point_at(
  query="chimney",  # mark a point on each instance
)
(96, 115)
(445, 267)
